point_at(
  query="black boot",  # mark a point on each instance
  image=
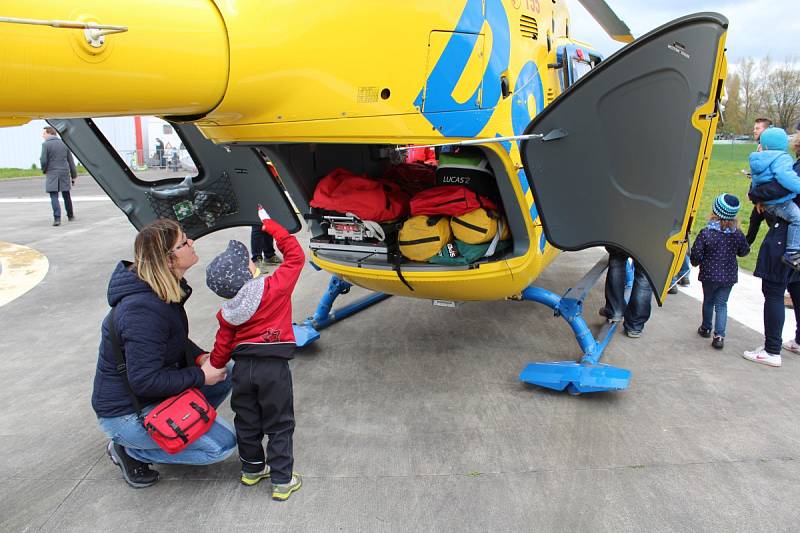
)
(136, 473)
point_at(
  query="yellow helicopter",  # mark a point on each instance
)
(585, 150)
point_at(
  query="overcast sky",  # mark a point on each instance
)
(757, 27)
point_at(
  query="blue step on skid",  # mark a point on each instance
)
(308, 331)
(588, 374)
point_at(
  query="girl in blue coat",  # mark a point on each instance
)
(715, 250)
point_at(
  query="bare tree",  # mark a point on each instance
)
(782, 94)
(749, 84)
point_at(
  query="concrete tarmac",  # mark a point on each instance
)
(409, 417)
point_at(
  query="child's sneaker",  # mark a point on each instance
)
(718, 342)
(704, 332)
(282, 491)
(760, 355)
(791, 346)
(252, 478)
(792, 260)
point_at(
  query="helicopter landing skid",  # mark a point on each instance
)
(587, 374)
(308, 331)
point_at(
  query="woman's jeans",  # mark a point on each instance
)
(214, 446)
(775, 313)
(715, 299)
(57, 207)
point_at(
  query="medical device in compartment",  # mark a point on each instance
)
(345, 232)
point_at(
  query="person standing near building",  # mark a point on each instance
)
(59, 169)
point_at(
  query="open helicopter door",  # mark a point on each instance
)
(230, 182)
(631, 157)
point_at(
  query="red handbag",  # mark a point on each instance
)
(180, 420)
(176, 422)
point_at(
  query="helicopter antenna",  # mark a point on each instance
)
(608, 20)
(551, 136)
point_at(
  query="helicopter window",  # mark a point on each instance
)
(150, 147)
(580, 68)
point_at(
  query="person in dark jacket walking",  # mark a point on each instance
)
(255, 328)
(715, 250)
(150, 320)
(60, 173)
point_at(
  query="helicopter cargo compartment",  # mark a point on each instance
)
(415, 210)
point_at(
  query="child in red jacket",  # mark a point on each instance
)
(255, 328)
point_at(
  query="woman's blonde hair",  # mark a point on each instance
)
(151, 261)
(732, 224)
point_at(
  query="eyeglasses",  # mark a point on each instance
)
(181, 245)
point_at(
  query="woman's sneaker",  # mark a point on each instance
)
(718, 342)
(252, 478)
(791, 346)
(136, 473)
(704, 332)
(760, 355)
(282, 491)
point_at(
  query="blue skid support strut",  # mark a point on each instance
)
(588, 374)
(308, 331)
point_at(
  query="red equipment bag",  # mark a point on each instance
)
(378, 200)
(412, 177)
(180, 420)
(451, 200)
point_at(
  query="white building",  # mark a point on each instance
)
(20, 146)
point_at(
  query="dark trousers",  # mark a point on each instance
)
(637, 311)
(775, 313)
(261, 244)
(57, 207)
(753, 226)
(263, 403)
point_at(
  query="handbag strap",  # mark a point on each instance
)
(122, 367)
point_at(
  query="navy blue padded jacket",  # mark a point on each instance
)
(155, 339)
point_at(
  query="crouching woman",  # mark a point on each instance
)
(149, 318)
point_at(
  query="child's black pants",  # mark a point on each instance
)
(263, 404)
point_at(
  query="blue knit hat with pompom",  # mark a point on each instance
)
(726, 206)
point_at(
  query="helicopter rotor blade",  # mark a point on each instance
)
(608, 20)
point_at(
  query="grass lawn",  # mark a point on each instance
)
(724, 175)
(6, 173)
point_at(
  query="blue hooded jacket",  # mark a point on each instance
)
(774, 165)
(155, 340)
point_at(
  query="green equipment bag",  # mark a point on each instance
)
(476, 227)
(421, 237)
(463, 253)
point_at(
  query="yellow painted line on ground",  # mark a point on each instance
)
(22, 269)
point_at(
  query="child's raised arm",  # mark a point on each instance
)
(286, 275)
